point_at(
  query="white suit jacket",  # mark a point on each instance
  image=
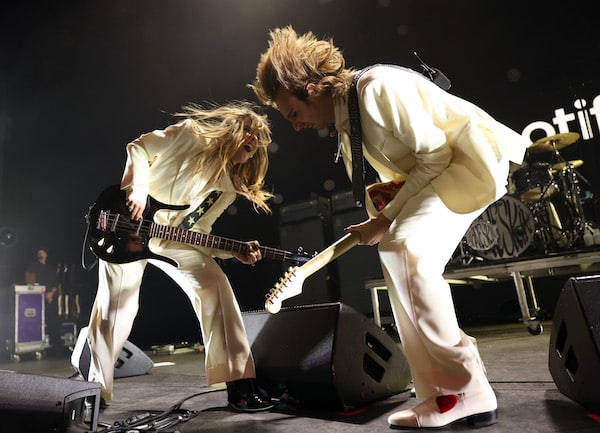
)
(162, 163)
(415, 131)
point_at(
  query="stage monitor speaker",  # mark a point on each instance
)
(574, 357)
(132, 360)
(326, 356)
(40, 404)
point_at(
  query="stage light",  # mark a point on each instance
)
(8, 237)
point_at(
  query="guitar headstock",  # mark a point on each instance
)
(288, 286)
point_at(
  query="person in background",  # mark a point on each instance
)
(42, 273)
(452, 160)
(205, 161)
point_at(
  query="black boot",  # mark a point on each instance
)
(243, 395)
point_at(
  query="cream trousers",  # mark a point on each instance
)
(414, 252)
(227, 351)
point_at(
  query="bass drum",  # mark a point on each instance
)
(504, 230)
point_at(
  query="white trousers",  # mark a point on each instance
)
(442, 358)
(227, 351)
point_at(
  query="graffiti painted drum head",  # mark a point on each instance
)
(505, 229)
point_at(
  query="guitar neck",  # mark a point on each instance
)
(212, 241)
(331, 253)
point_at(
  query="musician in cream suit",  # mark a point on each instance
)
(204, 161)
(453, 159)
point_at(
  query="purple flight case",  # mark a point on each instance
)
(29, 335)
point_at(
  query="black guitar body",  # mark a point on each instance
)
(113, 236)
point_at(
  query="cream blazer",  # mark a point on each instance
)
(415, 131)
(161, 163)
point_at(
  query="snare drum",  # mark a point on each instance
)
(505, 229)
(534, 181)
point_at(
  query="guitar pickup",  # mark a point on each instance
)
(113, 226)
(101, 223)
(139, 227)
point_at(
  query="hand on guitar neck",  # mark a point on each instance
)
(115, 237)
(290, 284)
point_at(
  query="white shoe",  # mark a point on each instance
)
(479, 408)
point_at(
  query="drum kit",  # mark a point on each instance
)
(542, 212)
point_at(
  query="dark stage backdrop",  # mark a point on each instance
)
(80, 79)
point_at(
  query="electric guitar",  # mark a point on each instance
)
(114, 237)
(290, 284)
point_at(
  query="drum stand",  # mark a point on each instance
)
(549, 228)
(558, 228)
(569, 178)
(463, 256)
(556, 233)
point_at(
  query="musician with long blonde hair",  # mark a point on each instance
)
(205, 160)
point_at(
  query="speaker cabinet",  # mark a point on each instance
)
(357, 265)
(307, 224)
(574, 358)
(30, 403)
(326, 356)
(132, 361)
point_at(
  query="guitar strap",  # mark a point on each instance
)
(358, 162)
(191, 218)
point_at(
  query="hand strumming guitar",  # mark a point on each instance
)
(136, 207)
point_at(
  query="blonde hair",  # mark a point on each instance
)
(224, 128)
(293, 61)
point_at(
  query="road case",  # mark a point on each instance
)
(23, 320)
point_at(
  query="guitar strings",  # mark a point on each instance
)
(151, 229)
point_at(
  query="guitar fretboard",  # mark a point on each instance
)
(212, 241)
(118, 222)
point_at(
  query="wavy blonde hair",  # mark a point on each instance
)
(293, 61)
(224, 128)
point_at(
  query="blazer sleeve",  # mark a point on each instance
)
(395, 112)
(141, 152)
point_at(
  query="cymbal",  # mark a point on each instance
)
(556, 141)
(575, 163)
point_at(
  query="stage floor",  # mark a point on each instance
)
(516, 361)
